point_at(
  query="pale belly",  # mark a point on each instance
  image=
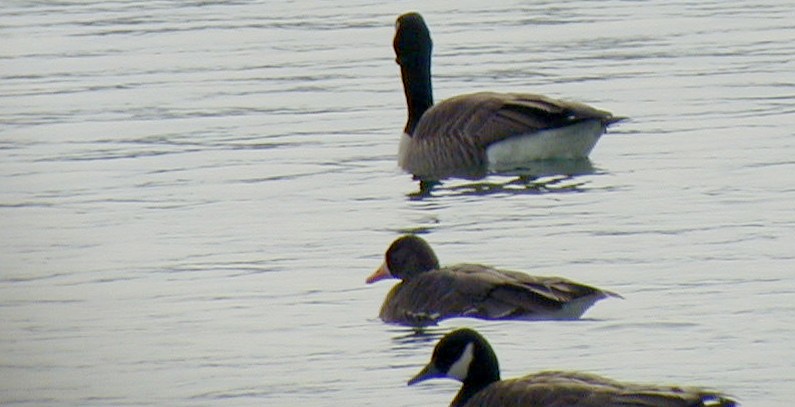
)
(571, 142)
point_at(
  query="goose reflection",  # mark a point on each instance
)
(533, 177)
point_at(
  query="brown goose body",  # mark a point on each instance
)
(470, 134)
(466, 356)
(574, 389)
(472, 290)
(429, 293)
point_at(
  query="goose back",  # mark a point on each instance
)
(574, 389)
(452, 136)
(473, 290)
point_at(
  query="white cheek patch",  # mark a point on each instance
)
(460, 368)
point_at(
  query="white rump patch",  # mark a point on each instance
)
(460, 368)
(570, 142)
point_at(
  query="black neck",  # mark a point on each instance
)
(416, 72)
(485, 371)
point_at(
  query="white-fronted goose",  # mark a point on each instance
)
(430, 293)
(466, 356)
(469, 135)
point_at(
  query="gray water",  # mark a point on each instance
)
(192, 193)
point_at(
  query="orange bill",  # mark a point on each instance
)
(380, 274)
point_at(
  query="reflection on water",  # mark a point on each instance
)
(537, 177)
(549, 168)
(417, 338)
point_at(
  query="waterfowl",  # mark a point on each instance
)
(430, 293)
(466, 356)
(469, 135)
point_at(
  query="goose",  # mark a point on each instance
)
(430, 293)
(468, 135)
(466, 356)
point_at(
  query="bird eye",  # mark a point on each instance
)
(452, 353)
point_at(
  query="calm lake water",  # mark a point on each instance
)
(192, 193)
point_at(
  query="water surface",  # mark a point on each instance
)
(192, 194)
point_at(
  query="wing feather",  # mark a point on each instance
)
(481, 119)
(473, 290)
(573, 389)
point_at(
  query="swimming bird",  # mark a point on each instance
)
(466, 356)
(430, 293)
(469, 135)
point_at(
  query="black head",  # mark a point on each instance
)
(406, 257)
(412, 39)
(463, 355)
(410, 255)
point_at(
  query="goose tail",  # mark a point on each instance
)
(716, 400)
(611, 120)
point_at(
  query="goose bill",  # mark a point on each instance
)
(428, 372)
(380, 274)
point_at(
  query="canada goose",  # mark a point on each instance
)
(466, 356)
(429, 293)
(468, 135)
